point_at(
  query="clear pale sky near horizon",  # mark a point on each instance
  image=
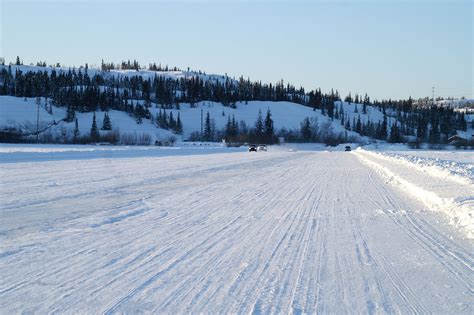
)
(389, 49)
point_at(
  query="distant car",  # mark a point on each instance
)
(252, 148)
(348, 148)
(262, 147)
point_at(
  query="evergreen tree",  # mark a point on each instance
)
(341, 113)
(394, 134)
(305, 130)
(434, 135)
(159, 119)
(164, 120)
(366, 100)
(179, 125)
(172, 122)
(348, 98)
(228, 128)
(207, 128)
(359, 125)
(356, 99)
(140, 113)
(383, 129)
(259, 127)
(106, 123)
(94, 130)
(462, 123)
(234, 127)
(76, 131)
(70, 114)
(269, 131)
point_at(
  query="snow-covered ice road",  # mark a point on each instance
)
(274, 232)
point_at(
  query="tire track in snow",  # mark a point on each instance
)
(418, 236)
(179, 294)
(302, 236)
(431, 242)
(178, 290)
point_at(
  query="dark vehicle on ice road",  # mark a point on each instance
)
(348, 148)
(252, 148)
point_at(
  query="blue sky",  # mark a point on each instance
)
(389, 49)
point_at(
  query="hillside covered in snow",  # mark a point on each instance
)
(58, 105)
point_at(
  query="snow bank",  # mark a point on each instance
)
(451, 195)
(443, 169)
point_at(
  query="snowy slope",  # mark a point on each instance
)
(318, 232)
(146, 74)
(284, 114)
(16, 112)
(373, 114)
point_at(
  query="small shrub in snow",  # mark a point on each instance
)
(167, 141)
(136, 139)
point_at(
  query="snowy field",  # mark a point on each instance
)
(206, 229)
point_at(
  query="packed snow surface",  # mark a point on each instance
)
(213, 230)
(442, 185)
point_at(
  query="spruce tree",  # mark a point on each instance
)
(159, 119)
(179, 125)
(383, 129)
(70, 114)
(269, 131)
(305, 130)
(164, 120)
(259, 124)
(106, 123)
(94, 130)
(76, 131)
(207, 128)
(434, 135)
(172, 123)
(394, 134)
(228, 128)
(359, 125)
(234, 127)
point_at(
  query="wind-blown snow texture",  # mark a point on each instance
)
(173, 231)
